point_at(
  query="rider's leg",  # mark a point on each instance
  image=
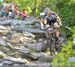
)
(57, 32)
(57, 46)
(48, 31)
(57, 29)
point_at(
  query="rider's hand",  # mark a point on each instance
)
(56, 25)
(60, 23)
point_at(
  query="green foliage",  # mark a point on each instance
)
(67, 14)
(61, 60)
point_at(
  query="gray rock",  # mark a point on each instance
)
(32, 30)
(38, 65)
(43, 64)
(18, 28)
(5, 65)
(15, 60)
(46, 59)
(2, 28)
(30, 46)
(4, 23)
(40, 46)
(28, 34)
(14, 22)
(23, 50)
(14, 38)
(37, 55)
(4, 32)
(28, 29)
(18, 65)
(4, 43)
(1, 64)
(10, 22)
(7, 62)
(31, 65)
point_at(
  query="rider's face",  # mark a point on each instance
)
(49, 14)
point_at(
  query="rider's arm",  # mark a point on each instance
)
(45, 21)
(59, 20)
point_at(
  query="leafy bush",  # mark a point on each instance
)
(62, 59)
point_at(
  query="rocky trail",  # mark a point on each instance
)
(22, 44)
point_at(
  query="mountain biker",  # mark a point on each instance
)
(43, 15)
(53, 19)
